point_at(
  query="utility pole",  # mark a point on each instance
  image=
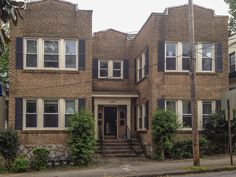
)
(195, 133)
(230, 134)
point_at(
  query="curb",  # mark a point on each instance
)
(186, 172)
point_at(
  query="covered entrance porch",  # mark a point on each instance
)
(113, 115)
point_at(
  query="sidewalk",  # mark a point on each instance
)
(117, 167)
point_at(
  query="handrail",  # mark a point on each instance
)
(129, 136)
(101, 138)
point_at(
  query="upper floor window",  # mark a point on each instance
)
(186, 56)
(206, 57)
(31, 53)
(61, 54)
(110, 69)
(142, 65)
(70, 54)
(232, 61)
(171, 56)
(51, 56)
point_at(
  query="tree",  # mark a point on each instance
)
(164, 127)
(4, 60)
(232, 12)
(8, 12)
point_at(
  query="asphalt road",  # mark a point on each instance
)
(218, 174)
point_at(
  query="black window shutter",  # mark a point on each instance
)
(81, 102)
(126, 69)
(161, 103)
(135, 118)
(147, 115)
(135, 71)
(18, 113)
(19, 53)
(95, 68)
(218, 105)
(219, 58)
(161, 56)
(82, 54)
(147, 61)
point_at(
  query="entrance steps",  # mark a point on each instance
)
(120, 148)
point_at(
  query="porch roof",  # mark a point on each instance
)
(120, 94)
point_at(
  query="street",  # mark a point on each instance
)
(217, 174)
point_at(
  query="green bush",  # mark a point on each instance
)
(39, 159)
(183, 148)
(8, 145)
(164, 127)
(20, 164)
(81, 137)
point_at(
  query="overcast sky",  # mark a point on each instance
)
(130, 15)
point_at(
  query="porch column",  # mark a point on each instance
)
(128, 116)
(96, 121)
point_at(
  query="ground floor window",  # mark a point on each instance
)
(141, 117)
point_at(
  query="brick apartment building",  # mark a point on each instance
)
(57, 67)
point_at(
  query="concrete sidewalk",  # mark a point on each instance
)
(129, 167)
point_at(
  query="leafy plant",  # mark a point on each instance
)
(81, 137)
(164, 127)
(8, 145)
(4, 61)
(39, 159)
(20, 164)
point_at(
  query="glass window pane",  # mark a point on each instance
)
(31, 106)
(116, 73)
(186, 107)
(103, 65)
(187, 121)
(206, 64)
(51, 47)
(140, 123)
(170, 105)
(186, 64)
(51, 106)
(186, 50)
(170, 63)
(207, 107)
(31, 46)
(71, 61)
(232, 62)
(31, 120)
(67, 120)
(116, 65)
(70, 47)
(103, 73)
(206, 50)
(31, 60)
(50, 60)
(70, 107)
(170, 49)
(50, 120)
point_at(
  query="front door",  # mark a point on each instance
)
(110, 120)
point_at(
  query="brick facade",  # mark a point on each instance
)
(56, 19)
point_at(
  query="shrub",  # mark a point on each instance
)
(39, 159)
(183, 148)
(8, 145)
(164, 126)
(81, 137)
(20, 164)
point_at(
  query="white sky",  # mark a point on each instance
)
(130, 15)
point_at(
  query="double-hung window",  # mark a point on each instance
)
(186, 114)
(206, 111)
(69, 110)
(185, 56)
(171, 105)
(31, 53)
(207, 57)
(116, 69)
(31, 114)
(50, 113)
(71, 54)
(51, 53)
(103, 69)
(171, 50)
(142, 115)
(232, 62)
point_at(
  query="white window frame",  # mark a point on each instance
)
(200, 111)
(40, 54)
(76, 108)
(176, 55)
(176, 106)
(58, 113)
(140, 66)
(141, 109)
(25, 112)
(110, 69)
(76, 53)
(199, 54)
(25, 52)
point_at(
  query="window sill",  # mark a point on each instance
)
(51, 71)
(43, 131)
(187, 131)
(110, 79)
(142, 131)
(188, 73)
